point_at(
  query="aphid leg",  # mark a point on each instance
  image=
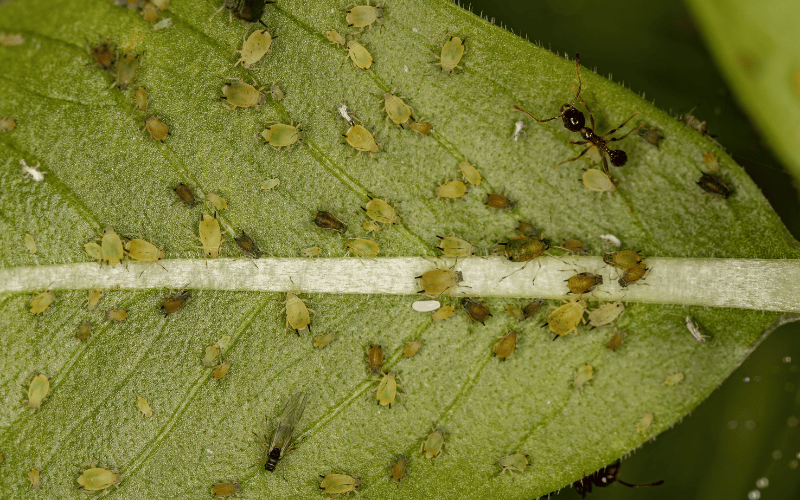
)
(581, 154)
(518, 270)
(538, 120)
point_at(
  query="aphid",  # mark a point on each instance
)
(11, 39)
(514, 311)
(690, 120)
(518, 126)
(345, 113)
(527, 229)
(623, 259)
(533, 307)
(452, 52)
(566, 318)
(583, 375)
(143, 251)
(396, 110)
(399, 468)
(281, 135)
(141, 98)
(111, 249)
(606, 314)
(437, 281)
(633, 274)
(248, 245)
(710, 159)
(380, 211)
(455, 247)
(7, 124)
(83, 331)
(30, 244)
(616, 340)
(103, 54)
(336, 484)
(217, 201)
(242, 95)
(270, 184)
(38, 389)
(583, 283)
(361, 247)
(476, 311)
(225, 490)
(117, 315)
(126, 71)
(499, 202)
(221, 370)
(163, 24)
(276, 92)
(433, 444)
(516, 462)
(695, 330)
(412, 348)
(644, 423)
(610, 239)
(335, 38)
(254, 48)
(210, 236)
(424, 306)
(387, 389)
(42, 301)
(211, 354)
(713, 184)
(375, 358)
(360, 56)
(470, 173)
(452, 190)
(297, 316)
(603, 478)
(421, 127)
(283, 429)
(35, 479)
(185, 194)
(327, 220)
(443, 313)
(310, 252)
(361, 140)
(675, 378)
(150, 12)
(504, 348)
(362, 16)
(650, 135)
(32, 172)
(595, 180)
(175, 302)
(370, 226)
(324, 339)
(97, 479)
(524, 249)
(93, 299)
(144, 407)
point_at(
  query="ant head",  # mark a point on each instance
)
(618, 158)
(573, 119)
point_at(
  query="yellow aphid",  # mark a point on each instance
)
(452, 51)
(644, 423)
(111, 247)
(432, 447)
(225, 490)
(412, 348)
(143, 251)
(38, 390)
(117, 315)
(565, 319)
(30, 244)
(324, 339)
(140, 97)
(362, 16)
(150, 12)
(514, 311)
(254, 48)
(42, 301)
(452, 189)
(360, 56)
(437, 281)
(144, 406)
(35, 479)
(443, 313)
(310, 252)
(221, 370)
(337, 484)
(161, 4)
(387, 390)
(210, 236)
(396, 110)
(455, 247)
(583, 375)
(242, 95)
(217, 201)
(335, 38)
(93, 299)
(380, 211)
(126, 71)
(574, 246)
(158, 129)
(516, 462)
(361, 247)
(281, 135)
(583, 283)
(470, 173)
(606, 314)
(211, 354)
(270, 184)
(83, 331)
(297, 316)
(504, 348)
(96, 479)
(399, 468)
(675, 378)
(361, 140)
(370, 226)
(596, 180)
(421, 127)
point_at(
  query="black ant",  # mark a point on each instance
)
(574, 121)
(605, 477)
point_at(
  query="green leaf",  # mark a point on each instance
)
(103, 170)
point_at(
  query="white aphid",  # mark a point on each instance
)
(424, 306)
(518, 130)
(31, 172)
(345, 113)
(162, 24)
(695, 330)
(611, 239)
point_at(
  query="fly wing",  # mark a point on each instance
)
(287, 421)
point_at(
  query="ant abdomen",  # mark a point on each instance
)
(618, 157)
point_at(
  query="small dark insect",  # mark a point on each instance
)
(327, 220)
(103, 54)
(650, 135)
(477, 311)
(573, 119)
(499, 202)
(689, 119)
(533, 308)
(248, 245)
(247, 10)
(185, 194)
(604, 477)
(173, 303)
(713, 184)
(284, 429)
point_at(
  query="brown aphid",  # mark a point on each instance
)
(103, 54)
(437, 281)
(150, 12)
(185, 194)
(524, 249)
(140, 97)
(574, 246)
(504, 348)
(421, 127)
(375, 358)
(616, 340)
(117, 315)
(650, 135)
(158, 129)
(225, 490)
(527, 229)
(248, 245)
(623, 259)
(499, 202)
(83, 331)
(514, 311)
(173, 303)
(633, 274)
(328, 221)
(443, 313)
(533, 307)
(713, 184)
(476, 311)
(221, 370)
(412, 348)
(399, 468)
(583, 283)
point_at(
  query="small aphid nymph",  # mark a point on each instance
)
(117, 315)
(337, 484)
(412, 348)
(7, 124)
(210, 236)
(83, 331)
(675, 378)
(361, 247)
(143, 251)
(361, 16)
(248, 245)
(583, 375)
(104, 55)
(144, 407)
(185, 194)
(437, 281)
(499, 202)
(324, 339)
(476, 311)
(644, 423)
(140, 97)
(111, 247)
(335, 38)
(242, 95)
(574, 246)
(254, 48)
(32, 172)
(297, 316)
(616, 340)
(380, 211)
(452, 52)
(566, 318)
(38, 389)
(533, 307)
(375, 358)
(284, 428)
(96, 479)
(452, 190)
(126, 71)
(225, 489)
(327, 220)
(650, 135)
(516, 463)
(221, 370)
(505, 347)
(387, 389)
(633, 274)
(175, 302)
(42, 301)
(396, 110)
(606, 314)
(596, 180)
(583, 283)
(623, 259)
(470, 173)
(361, 139)
(421, 127)
(455, 247)
(399, 468)
(360, 56)
(443, 313)
(713, 184)
(433, 444)
(217, 201)
(35, 478)
(695, 330)
(310, 252)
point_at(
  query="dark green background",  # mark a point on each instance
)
(655, 47)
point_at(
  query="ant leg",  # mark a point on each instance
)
(577, 70)
(619, 127)
(575, 158)
(578, 143)
(591, 116)
(538, 120)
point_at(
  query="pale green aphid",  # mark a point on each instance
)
(95, 479)
(337, 484)
(470, 173)
(254, 48)
(30, 244)
(380, 211)
(595, 180)
(606, 314)
(583, 375)
(143, 251)
(452, 190)
(281, 135)
(144, 407)
(126, 70)
(276, 92)
(42, 301)
(455, 247)
(297, 316)
(117, 315)
(38, 390)
(362, 16)
(370, 226)
(675, 378)
(565, 319)
(452, 51)
(335, 38)
(387, 389)
(93, 299)
(140, 97)
(211, 354)
(644, 423)
(210, 236)
(310, 252)
(396, 110)
(242, 95)
(432, 447)
(399, 468)
(516, 462)
(363, 248)
(361, 139)
(360, 56)
(111, 247)
(324, 339)
(270, 184)
(217, 201)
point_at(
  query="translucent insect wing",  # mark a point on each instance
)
(287, 421)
